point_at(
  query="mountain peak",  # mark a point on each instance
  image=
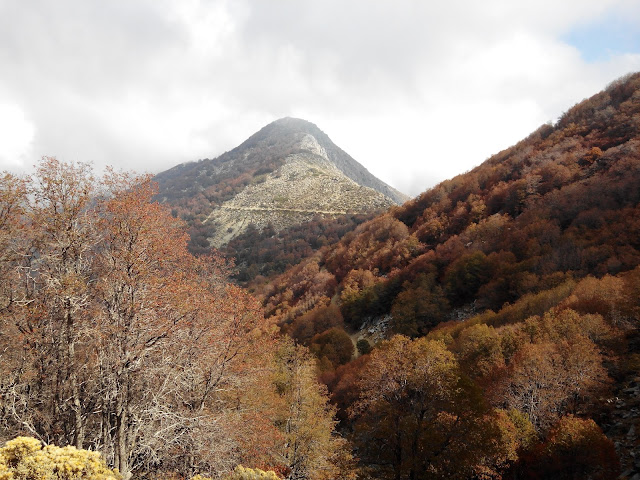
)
(284, 174)
(291, 131)
(286, 125)
(293, 122)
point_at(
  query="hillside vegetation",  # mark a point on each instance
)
(561, 204)
(261, 254)
(525, 269)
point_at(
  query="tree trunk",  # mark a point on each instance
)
(397, 464)
(76, 405)
(121, 447)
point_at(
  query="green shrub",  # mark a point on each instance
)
(363, 346)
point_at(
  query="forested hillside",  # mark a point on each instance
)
(262, 254)
(520, 279)
(562, 200)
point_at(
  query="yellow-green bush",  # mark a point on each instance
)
(24, 458)
(242, 473)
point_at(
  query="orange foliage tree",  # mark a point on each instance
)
(417, 416)
(575, 449)
(116, 339)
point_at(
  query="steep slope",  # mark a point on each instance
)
(565, 199)
(282, 176)
(526, 267)
(342, 161)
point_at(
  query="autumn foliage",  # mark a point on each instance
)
(564, 201)
(576, 448)
(506, 300)
(525, 270)
(115, 338)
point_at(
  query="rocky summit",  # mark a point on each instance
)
(284, 175)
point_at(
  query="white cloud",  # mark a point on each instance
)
(16, 135)
(416, 91)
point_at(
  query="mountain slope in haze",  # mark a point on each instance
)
(526, 266)
(284, 175)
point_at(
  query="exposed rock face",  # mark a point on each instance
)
(307, 184)
(347, 165)
(295, 172)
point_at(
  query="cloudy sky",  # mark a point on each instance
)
(416, 90)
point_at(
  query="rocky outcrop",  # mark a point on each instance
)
(308, 184)
(338, 157)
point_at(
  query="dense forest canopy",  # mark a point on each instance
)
(525, 266)
(562, 203)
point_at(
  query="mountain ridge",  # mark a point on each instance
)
(344, 162)
(284, 174)
(285, 126)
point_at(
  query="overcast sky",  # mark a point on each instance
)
(416, 90)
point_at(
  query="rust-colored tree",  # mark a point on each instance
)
(311, 449)
(575, 449)
(51, 308)
(116, 339)
(417, 416)
(548, 379)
